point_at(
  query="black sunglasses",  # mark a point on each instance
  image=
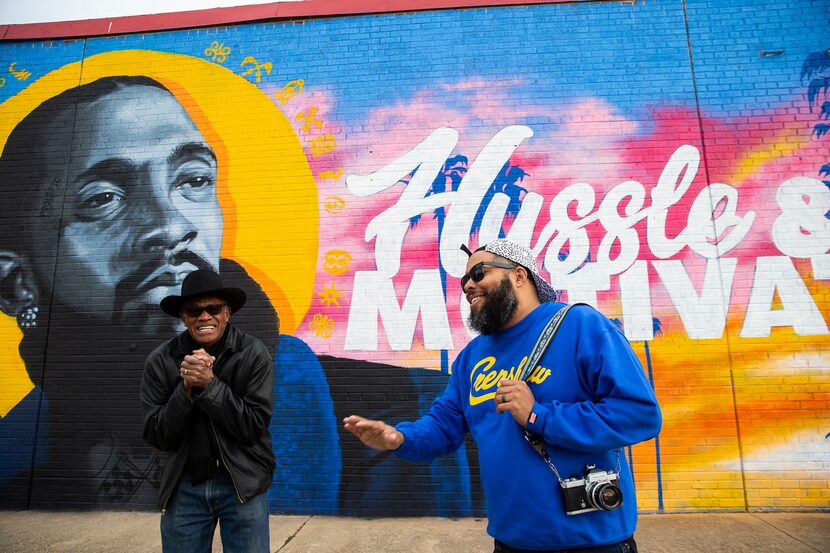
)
(477, 272)
(211, 308)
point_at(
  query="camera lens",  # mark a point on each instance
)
(607, 496)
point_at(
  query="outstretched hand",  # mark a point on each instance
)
(375, 434)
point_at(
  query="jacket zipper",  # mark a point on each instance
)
(219, 444)
(222, 457)
(166, 499)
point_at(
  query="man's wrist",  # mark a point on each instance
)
(399, 433)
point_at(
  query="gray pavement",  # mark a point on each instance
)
(100, 532)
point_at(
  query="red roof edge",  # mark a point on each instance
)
(238, 14)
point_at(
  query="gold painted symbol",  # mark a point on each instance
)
(334, 204)
(330, 296)
(330, 174)
(320, 145)
(257, 66)
(218, 51)
(289, 91)
(21, 75)
(337, 262)
(309, 119)
(321, 326)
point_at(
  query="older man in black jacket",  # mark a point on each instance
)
(207, 398)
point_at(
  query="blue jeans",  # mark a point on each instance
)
(192, 512)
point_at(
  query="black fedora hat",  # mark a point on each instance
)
(202, 284)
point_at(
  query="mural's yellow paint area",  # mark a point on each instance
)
(787, 144)
(731, 415)
(14, 380)
(262, 168)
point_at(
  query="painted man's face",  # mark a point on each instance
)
(141, 210)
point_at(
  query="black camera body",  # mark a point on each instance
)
(596, 490)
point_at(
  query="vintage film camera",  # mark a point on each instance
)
(596, 490)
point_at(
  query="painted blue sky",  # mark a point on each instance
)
(574, 55)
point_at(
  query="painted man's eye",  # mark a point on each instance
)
(196, 187)
(101, 204)
(198, 182)
(100, 200)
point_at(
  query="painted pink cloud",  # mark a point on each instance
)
(587, 141)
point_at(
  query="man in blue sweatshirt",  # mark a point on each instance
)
(585, 400)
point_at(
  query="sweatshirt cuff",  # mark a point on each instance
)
(534, 420)
(406, 447)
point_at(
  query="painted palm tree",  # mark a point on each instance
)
(453, 171)
(656, 331)
(449, 177)
(816, 69)
(507, 183)
(816, 74)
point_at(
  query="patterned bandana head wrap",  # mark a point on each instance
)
(524, 257)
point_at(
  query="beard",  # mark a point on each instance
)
(499, 307)
(146, 319)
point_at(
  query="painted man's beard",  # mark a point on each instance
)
(149, 320)
(499, 307)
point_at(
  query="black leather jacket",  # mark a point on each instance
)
(238, 401)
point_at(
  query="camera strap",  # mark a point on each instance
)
(545, 338)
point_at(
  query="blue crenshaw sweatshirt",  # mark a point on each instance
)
(592, 398)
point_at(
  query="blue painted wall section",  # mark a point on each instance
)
(667, 162)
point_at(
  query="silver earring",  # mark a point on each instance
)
(28, 317)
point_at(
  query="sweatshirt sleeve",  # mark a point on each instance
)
(620, 408)
(440, 431)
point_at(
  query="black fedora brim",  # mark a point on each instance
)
(172, 305)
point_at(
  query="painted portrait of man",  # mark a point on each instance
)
(112, 193)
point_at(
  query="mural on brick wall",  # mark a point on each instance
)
(332, 169)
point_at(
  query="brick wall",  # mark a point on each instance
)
(667, 161)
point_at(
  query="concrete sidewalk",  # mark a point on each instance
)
(100, 532)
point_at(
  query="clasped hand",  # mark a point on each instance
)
(197, 370)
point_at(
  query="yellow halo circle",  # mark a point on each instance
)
(265, 186)
(263, 170)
